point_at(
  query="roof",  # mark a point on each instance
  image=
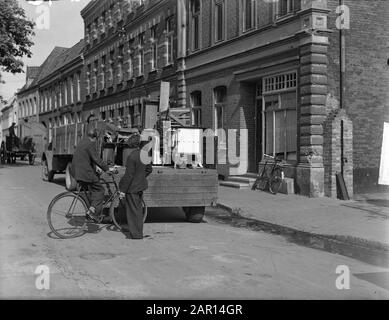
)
(59, 60)
(49, 64)
(45, 68)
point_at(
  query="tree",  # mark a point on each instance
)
(15, 32)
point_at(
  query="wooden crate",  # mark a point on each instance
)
(169, 187)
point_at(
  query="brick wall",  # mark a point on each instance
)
(332, 152)
(367, 82)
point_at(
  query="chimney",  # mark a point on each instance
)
(31, 73)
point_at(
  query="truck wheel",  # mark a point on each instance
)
(71, 183)
(46, 174)
(194, 214)
(31, 159)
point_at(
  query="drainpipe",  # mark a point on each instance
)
(342, 64)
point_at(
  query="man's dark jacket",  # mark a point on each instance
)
(134, 179)
(84, 162)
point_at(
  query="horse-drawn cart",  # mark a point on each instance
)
(13, 148)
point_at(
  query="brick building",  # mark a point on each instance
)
(366, 83)
(272, 67)
(130, 46)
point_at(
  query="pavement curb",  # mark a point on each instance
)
(365, 250)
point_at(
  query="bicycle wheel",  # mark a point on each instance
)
(66, 215)
(275, 181)
(117, 211)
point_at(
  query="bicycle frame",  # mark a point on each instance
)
(111, 194)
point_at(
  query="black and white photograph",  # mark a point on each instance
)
(196, 150)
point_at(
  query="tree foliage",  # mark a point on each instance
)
(15, 32)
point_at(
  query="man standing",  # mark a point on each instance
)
(131, 186)
(83, 169)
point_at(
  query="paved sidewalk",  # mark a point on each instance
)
(364, 220)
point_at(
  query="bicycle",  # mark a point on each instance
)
(66, 214)
(272, 179)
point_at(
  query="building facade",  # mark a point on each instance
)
(9, 115)
(60, 88)
(28, 97)
(277, 69)
(130, 47)
(273, 68)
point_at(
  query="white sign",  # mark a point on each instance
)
(384, 166)
(164, 96)
(188, 141)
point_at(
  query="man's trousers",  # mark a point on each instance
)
(96, 195)
(134, 212)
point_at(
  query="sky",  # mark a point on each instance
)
(62, 26)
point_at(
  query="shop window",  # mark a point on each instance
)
(279, 116)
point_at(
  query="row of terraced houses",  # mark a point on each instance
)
(271, 67)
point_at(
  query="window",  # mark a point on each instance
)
(219, 20)
(288, 6)
(153, 40)
(109, 75)
(141, 54)
(119, 65)
(65, 89)
(94, 76)
(121, 112)
(111, 114)
(131, 116)
(102, 73)
(130, 70)
(79, 86)
(169, 40)
(279, 115)
(71, 89)
(219, 101)
(95, 29)
(248, 14)
(103, 115)
(60, 103)
(87, 80)
(196, 108)
(102, 23)
(195, 24)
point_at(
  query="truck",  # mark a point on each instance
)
(25, 146)
(173, 182)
